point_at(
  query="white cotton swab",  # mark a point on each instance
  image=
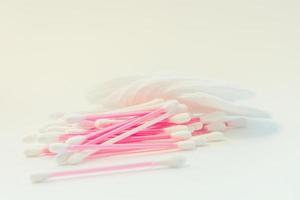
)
(174, 162)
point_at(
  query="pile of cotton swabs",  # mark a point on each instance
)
(154, 126)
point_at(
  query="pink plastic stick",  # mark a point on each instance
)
(100, 132)
(117, 115)
(142, 119)
(103, 169)
(119, 146)
(101, 154)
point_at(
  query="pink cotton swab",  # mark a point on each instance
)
(113, 130)
(174, 162)
(170, 108)
(123, 112)
(91, 128)
(116, 128)
(198, 141)
(59, 147)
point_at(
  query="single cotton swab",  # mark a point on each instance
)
(60, 147)
(174, 162)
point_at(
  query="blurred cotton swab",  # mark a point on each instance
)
(174, 162)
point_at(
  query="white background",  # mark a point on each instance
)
(52, 51)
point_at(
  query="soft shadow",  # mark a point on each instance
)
(256, 128)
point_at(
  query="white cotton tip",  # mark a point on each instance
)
(186, 145)
(173, 162)
(58, 147)
(34, 150)
(180, 118)
(237, 123)
(212, 117)
(214, 136)
(62, 157)
(48, 138)
(101, 123)
(29, 138)
(199, 140)
(196, 126)
(76, 139)
(39, 177)
(73, 118)
(216, 126)
(176, 128)
(76, 158)
(181, 135)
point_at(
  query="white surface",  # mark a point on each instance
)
(51, 51)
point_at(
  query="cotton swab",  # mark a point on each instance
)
(195, 141)
(170, 109)
(36, 150)
(115, 129)
(141, 115)
(174, 162)
(60, 147)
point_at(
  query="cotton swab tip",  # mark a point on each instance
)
(47, 138)
(76, 158)
(186, 145)
(181, 135)
(62, 157)
(180, 118)
(76, 139)
(216, 126)
(100, 123)
(174, 162)
(57, 147)
(196, 126)
(34, 150)
(199, 140)
(215, 136)
(39, 177)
